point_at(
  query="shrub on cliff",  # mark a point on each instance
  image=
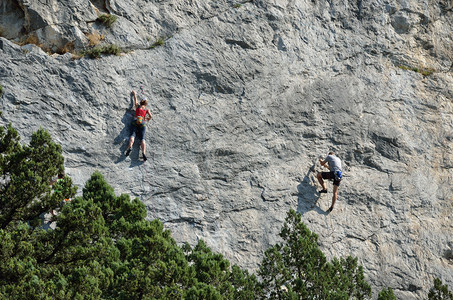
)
(107, 20)
(386, 294)
(159, 42)
(98, 51)
(439, 291)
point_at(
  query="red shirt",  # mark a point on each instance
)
(140, 112)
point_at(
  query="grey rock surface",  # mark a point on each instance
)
(246, 96)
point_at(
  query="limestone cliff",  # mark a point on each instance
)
(246, 96)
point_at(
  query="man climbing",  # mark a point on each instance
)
(138, 128)
(333, 163)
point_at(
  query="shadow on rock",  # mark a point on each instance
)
(134, 156)
(123, 137)
(308, 196)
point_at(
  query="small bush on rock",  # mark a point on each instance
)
(386, 294)
(30, 39)
(439, 291)
(424, 71)
(159, 42)
(96, 52)
(68, 47)
(94, 38)
(107, 20)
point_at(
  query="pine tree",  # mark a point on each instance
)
(26, 176)
(298, 269)
(211, 269)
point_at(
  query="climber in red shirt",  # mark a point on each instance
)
(138, 128)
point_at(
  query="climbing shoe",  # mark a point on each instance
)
(144, 157)
(128, 151)
(323, 191)
(330, 209)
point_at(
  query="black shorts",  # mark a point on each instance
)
(331, 175)
(138, 131)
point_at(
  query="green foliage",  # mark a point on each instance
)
(424, 71)
(27, 172)
(1, 90)
(98, 51)
(107, 19)
(237, 5)
(212, 277)
(26, 193)
(386, 294)
(159, 42)
(439, 291)
(297, 268)
(102, 247)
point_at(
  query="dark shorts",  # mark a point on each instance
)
(138, 131)
(331, 176)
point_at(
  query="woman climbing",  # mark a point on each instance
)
(138, 128)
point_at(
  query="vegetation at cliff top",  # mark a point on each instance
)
(103, 247)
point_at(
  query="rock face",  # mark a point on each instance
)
(246, 96)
